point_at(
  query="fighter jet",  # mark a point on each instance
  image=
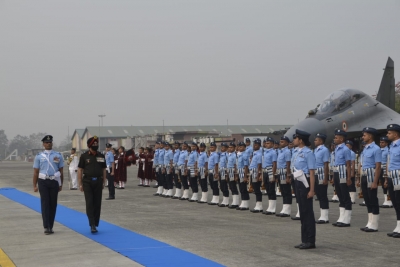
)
(351, 110)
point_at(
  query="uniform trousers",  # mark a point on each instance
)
(342, 191)
(184, 180)
(93, 192)
(233, 187)
(293, 186)
(214, 184)
(244, 194)
(211, 180)
(169, 180)
(178, 184)
(111, 187)
(370, 196)
(194, 184)
(322, 194)
(286, 191)
(307, 218)
(48, 190)
(223, 184)
(395, 197)
(382, 180)
(161, 178)
(352, 187)
(257, 190)
(203, 184)
(269, 186)
(74, 178)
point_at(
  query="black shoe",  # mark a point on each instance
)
(233, 206)
(362, 204)
(222, 205)
(110, 198)
(343, 225)
(336, 223)
(73, 189)
(47, 231)
(122, 188)
(241, 208)
(51, 231)
(255, 211)
(296, 218)
(212, 203)
(299, 245)
(282, 215)
(334, 201)
(184, 198)
(396, 235)
(269, 213)
(321, 222)
(156, 194)
(307, 246)
(174, 197)
(93, 229)
(201, 202)
(369, 230)
(146, 186)
(391, 234)
(139, 185)
(385, 206)
(363, 228)
(191, 200)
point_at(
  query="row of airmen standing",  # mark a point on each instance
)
(268, 166)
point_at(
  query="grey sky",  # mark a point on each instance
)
(188, 62)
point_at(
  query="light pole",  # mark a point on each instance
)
(101, 117)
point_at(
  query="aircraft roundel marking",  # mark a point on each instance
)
(344, 126)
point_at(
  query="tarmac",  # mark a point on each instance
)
(229, 237)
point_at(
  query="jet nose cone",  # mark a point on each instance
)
(310, 125)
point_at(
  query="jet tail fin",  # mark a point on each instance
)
(386, 89)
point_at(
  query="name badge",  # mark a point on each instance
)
(100, 159)
(56, 160)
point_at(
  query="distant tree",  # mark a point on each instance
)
(35, 140)
(65, 145)
(3, 144)
(19, 142)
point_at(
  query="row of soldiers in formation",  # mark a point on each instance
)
(185, 165)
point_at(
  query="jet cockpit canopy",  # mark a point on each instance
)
(339, 100)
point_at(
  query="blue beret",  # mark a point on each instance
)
(247, 139)
(166, 143)
(107, 145)
(194, 144)
(257, 141)
(370, 130)
(340, 132)
(393, 127)
(241, 144)
(202, 145)
(224, 144)
(285, 138)
(320, 135)
(232, 144)
(384, 138)
(269, 139)
(185, 143)
(213, 144)
(348, 142)
(177, 143)
(276, 142)
(47, 138)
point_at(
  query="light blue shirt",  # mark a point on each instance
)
(192, 158)
(177, 152)
(242, 160)
(352, 155)
(213, 160)
(385, 152)
(249, 151)
(394, 155)
(223, 160)
(371, 155)
(321, 154)
(269, 157)
(109, 158)
(202, 159)
(161, 156)
(183, 156)
(155, 159)
(232, 160)
(342, 154)
(256, 159)
(284, 156)
(304, 160)
(294, 153)
(168, 156)
(42, 162)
